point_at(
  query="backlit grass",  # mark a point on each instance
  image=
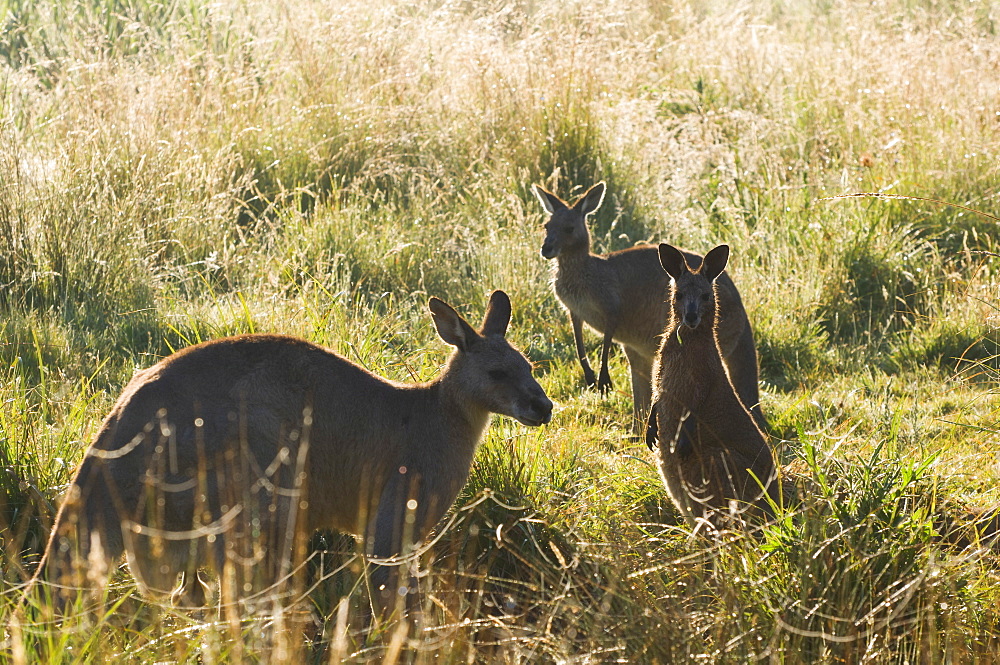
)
(176, 172)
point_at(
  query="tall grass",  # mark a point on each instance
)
(173, 172)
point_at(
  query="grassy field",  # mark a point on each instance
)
(176, 171)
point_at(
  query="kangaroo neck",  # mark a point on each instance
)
(464, 418)
(573, 259)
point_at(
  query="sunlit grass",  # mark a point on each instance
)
(177, 172)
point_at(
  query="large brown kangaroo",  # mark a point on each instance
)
(712, 455)
(229, 454)
(620, 295)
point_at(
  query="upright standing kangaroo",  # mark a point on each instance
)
(621, 296)
(229, 454)
(712, 456)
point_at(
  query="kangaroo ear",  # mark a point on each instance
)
(497, 315)
(549, 201)
(592, 200)
(452, 327)
(672, 260)
(715, 262)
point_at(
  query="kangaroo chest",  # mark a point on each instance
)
(689, 371)
(584, 305)
(587, 294)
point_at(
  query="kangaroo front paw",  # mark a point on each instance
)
(589, 378)
(604, 385)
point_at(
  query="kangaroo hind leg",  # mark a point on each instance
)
(642, 388)
(743, 373)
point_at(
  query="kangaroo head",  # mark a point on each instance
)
(487, 368)
(693, 298)
(567, 225)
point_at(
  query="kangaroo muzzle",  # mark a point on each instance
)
(537, 412)
(691, 316)
(544, 408)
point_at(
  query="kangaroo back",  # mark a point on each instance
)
(712, 456)
(228, 455)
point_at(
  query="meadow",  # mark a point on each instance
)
(174, 171)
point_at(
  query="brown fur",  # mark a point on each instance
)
(969, 528)
(620, 295)
(712, 455)
(229, 454)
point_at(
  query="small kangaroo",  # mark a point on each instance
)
(230, 454)
(712, 455)
(620, 295)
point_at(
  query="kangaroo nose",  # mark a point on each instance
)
(550, 248)
(544, 409)
(692, 319)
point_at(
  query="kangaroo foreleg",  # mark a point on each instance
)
(400, 521)
(683, 443)
(686, 437)
(652, 430)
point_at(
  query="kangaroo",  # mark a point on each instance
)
(229, 454)
(712, 455)
(620, 295)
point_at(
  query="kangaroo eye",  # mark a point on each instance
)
(497, 374)
(704, 296)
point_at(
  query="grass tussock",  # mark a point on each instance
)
(176, 172)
